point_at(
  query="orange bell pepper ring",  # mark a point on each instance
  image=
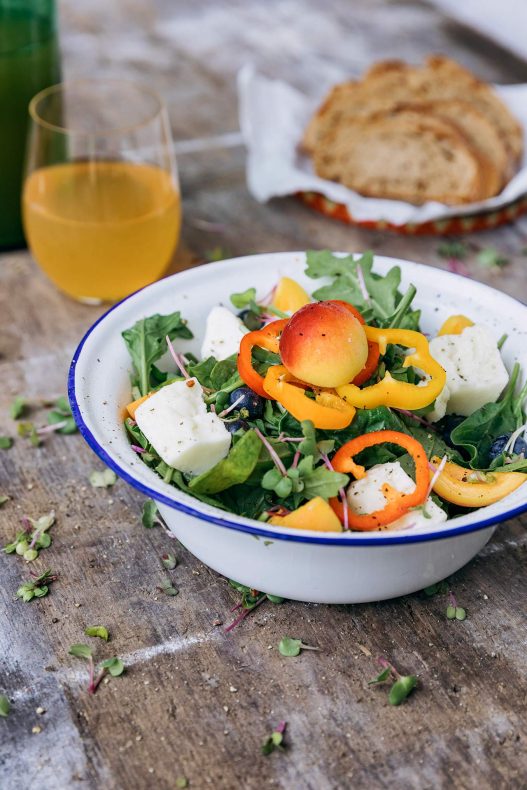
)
(373, 348)
(268, 338)
(398, 503)
(327, 411)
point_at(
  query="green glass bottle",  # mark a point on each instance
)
(29, 62)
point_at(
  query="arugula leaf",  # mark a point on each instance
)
(146, 343)
(202, 370)
(309, 445)
(383, 302)
(247, 500)
(233, 469)
(476, 434)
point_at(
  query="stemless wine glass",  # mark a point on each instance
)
(101, 200)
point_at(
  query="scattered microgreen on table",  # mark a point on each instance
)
(6, 442)
(99, 631)
(402, 685)
(453, 611)
(250, 600)
(290, 647)
(103, 479)
(5, 705)
(167, 588)
(37, 587)
(18, 407)
(3, 499)
(275, 739)
(169, 561)
(34, 537)
(150, 516)
(114, 666)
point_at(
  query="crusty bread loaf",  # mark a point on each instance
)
(441, 88)
(404, 155)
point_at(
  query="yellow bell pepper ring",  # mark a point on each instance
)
(326, 411)
(389, 391)
(454, 325)
(464, 487)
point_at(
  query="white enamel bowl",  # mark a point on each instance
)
(297, 564)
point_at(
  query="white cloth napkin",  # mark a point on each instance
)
(273, 116)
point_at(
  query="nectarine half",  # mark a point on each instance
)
(324, 344)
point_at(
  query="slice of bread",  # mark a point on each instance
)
(479, 132)
(405, 155)
(389, 84)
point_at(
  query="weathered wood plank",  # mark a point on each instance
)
(173, 713)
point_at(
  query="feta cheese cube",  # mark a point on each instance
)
(177, 424)
(365, 496)
(223, 333)
(440, 404)
(475, 371)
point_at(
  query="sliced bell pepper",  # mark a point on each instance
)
(390, 391)
(268, 338)
(327, 411)
(315, 514)
(462, 487)
(135, 404)
(373, 349)
(398, 503)
(454, 325)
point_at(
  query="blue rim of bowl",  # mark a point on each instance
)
(340, 540)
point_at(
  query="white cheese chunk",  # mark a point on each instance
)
(176, 423)
(223, 333)
(440, 404)
(474, 368)
(366, 496)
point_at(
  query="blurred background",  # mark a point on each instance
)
(190, 54)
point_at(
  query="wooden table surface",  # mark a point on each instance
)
(196, 702)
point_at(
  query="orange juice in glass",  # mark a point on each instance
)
(101, 200)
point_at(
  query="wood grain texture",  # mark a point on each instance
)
(195, 702)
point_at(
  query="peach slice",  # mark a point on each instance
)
(315, 514)
(289, 296)
(323, 344)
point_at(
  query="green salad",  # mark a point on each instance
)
(328, 411)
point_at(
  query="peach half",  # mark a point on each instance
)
(323, 344)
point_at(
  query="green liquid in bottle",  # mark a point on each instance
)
(29, 62)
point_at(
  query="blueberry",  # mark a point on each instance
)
(447, 425)
(498, 446)
(236, 425)
(250, 401)
(251, 319)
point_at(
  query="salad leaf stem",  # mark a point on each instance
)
(403, 306)
(272, 452)
(177, 358)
